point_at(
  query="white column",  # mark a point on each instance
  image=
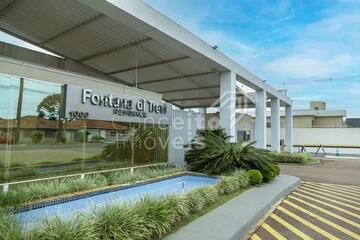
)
(202, 124)
(275, 124)
(288, 128)
(228, 103)
(260, 119)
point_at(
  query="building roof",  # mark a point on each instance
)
(118, 40)
(310, 112)
(318, 113)
(35, 122)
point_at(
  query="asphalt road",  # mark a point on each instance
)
(330, 170)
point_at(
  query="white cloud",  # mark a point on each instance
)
(323, 49)
(276, 12)
(300, 66)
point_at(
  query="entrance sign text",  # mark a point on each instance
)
(100, 105)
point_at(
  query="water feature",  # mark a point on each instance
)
(176, 185)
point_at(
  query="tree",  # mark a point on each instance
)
(49, 107)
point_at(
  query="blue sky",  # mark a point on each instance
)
(284, 41)
(281, 41)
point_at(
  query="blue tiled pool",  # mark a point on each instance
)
(176, 185)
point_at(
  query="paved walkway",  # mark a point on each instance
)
(331, 170)
(234, 219)
(315, 211)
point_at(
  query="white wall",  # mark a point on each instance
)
(323, 136)
(182, 130)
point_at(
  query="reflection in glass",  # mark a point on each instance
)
(35, 141)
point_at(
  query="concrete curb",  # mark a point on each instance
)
(234, 219)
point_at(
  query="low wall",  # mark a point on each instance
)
(346, 137)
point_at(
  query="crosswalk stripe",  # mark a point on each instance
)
(337, 195)
(328, 199)
(343, 186)
(273, 232)
(309, 224)
(346, 192)
(290, 227)
(329, 205)
(331, 196)
(324, 220)
(327, 212)
(336, 187)
(255, 237)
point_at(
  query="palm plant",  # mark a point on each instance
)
(211, 152)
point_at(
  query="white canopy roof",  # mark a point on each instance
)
(130, 43)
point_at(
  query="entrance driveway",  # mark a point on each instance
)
(343, 170)
(315, 211)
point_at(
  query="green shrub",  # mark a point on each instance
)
(148, 218)
(195, 200)
(180, 206)
(9, 228)
(120, 221)
(209, 194)
(40, 190)
(211, 152)
(158, 212)
(227, 184)
(24, 172)
(242, 177)
(36, 137)
(255, 176)
(285, 157)
(80, 228)
(277, 169)
(139, 174)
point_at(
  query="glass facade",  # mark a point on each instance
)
(36, 141)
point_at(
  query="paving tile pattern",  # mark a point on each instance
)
(315, 211)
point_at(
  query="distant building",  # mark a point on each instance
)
(317, 116)
(353, 122)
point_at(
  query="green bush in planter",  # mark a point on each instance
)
(10, 228)
(285, 157)
(242, 177)
(80, 228)
(211, 152)
(228, 184)
(277, 169)
(36, 137)
(255, 177)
